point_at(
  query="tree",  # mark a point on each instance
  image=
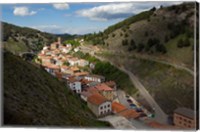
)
(132, 45)
(146, 34)
(186, 42)
(140, 47)
(161, 48)
(166, 38)
(125, 42)
(153, 9)
(126, 35)
(180, 43)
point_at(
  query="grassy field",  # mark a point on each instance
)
(34, 97)
(15, 47)
(170, 87)
(183, 55)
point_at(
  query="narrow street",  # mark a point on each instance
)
(118, 122)
(160, 116)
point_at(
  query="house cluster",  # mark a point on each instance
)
(99, 94)
(56, 60)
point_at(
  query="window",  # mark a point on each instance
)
(105, 106)
(180, 118)
(189, 126)
(101, 107)
(101, 112)
(180, 122)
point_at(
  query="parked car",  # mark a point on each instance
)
(143, 115)
(129, 101)
(139, 110)
(133, 106)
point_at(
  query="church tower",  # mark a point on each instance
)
(59, 40)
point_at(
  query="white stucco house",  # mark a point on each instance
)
(99, 105)
(74, 85)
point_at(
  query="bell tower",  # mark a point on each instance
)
(59, 40)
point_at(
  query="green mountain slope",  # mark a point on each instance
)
(33, 97)
(161, 34)
(18, 39)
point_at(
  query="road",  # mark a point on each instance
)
(160, 116)
(180, 67)
(118, 122)
(122, 99)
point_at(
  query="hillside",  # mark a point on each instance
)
(34, 97)
(18, 39)
(163, 34)
(157, 46)
(21, 39)
(171, 88)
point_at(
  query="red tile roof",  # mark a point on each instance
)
(72, 79)
(51, 66)
(92, 90)
(86, 94)
(85, 81)
(155, 124)
(111, 84)
(81, 73)
(64, 67)
(130, 114)
(103, 87)
(117, 107)
(96, 99)
(58, 75)
(74, 68)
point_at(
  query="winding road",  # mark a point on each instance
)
(160, 116)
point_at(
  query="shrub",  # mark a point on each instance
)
(180, 43)
(126, 35)
(140, 47)
(125, 42)
(146, 34)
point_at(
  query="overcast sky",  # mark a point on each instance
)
(74, 18)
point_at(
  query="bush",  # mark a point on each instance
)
(184, 43)
(126, 35)
(113, 35)
(140, 47)
(125, 42)
(132, 45)
(146, 34)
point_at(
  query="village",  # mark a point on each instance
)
(96, 91)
